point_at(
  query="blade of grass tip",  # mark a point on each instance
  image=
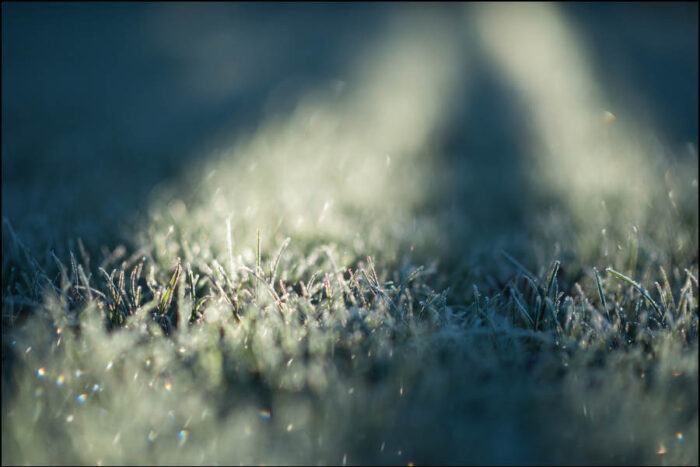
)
(132, 287)
(521, 307)
(229, 283)
(373, 270)
(84, 278)
(662, 297)
(122, 288)
(229, 240)
(519, 266)
(601, 293)
(552, 277)
(683, 298)
(367, 280)
(135, 276)
(538, 311)
(220, 269)
(311, 281)
(138, 297)
(212, 277)
(151, 280)
(637, 286)
(111, 258)
(483, 312)
(257, 266)
(109, 279)
(412, 276)
(64, 275)
(83, 254)
(75, 279)
(284, 246)
(329, 295)
(532, 285)
(193, 286)
(557, 327)
(275, 297)
(167, 297)
(667, 286)
(184, 304)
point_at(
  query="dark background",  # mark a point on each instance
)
(103, 101)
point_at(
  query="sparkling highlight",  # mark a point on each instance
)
(182, 436)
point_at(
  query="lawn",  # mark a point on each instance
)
(468, 250)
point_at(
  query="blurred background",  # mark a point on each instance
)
(103, 102)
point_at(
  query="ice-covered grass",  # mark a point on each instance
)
(312, 294)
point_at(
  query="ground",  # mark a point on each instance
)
(336, 234)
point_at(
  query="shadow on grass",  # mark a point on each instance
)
(102, 103)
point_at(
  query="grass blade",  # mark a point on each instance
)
(600, 292)
(637, 286)
(521, 307)
(519, 266)
(167, 296)
(552, 278)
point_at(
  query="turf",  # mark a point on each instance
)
(326, 291)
